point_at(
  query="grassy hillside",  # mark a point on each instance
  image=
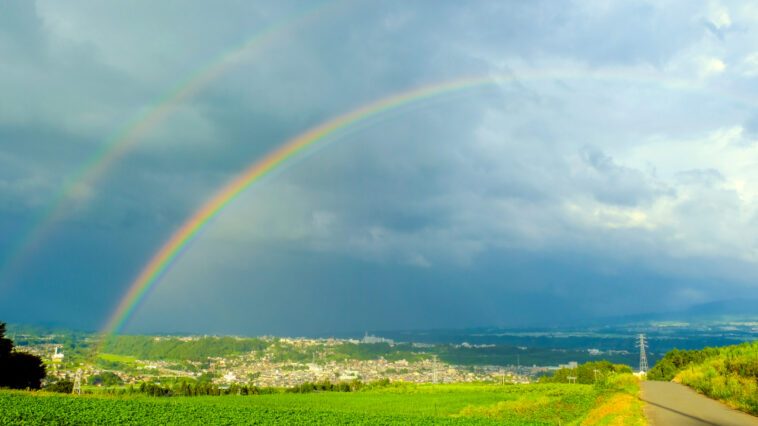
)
(729, 374)
(535, 404)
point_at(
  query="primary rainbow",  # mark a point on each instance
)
(173, 247)
(146, 120)
(326, 132)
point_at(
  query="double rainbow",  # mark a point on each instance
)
(171, 250)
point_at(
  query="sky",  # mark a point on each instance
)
(610, 167)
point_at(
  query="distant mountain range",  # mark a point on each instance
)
(742, 308)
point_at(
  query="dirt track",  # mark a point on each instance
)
(672, 404)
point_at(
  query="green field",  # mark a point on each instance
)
(117, 358)
(410, 404)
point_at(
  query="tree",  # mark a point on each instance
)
(61, 386)
(106, 379)
(586, 373)
(6, 345)
(18, 370)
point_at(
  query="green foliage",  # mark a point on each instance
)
(111, 365)
(20, 408)
(105, 379)
(170, 386)
(61, 386)
(366, 351)
(327, 386)
(618, 402)
(676, 360)
(293, 367)
(586, 373)
(206, 377)
(378, 403)
(169, 348)
(623, 382)
(18, 370)
(730, 374)
(122, 359)
(6, 345)
(555, 404)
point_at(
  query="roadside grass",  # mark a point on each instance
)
(613, 401)
(624, 407)
(731, 376)
(621, 409)
(738, 392)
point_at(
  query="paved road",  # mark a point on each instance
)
(672, 404)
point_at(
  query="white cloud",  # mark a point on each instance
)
(718, 15)
(710, 66)
(750, 65)
(598, 215)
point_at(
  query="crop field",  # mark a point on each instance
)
(414, 404)
(19, 409)
(117, 358)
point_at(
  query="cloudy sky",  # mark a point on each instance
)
(611, 169)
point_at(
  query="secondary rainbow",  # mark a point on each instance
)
(147, 119)
(320, 135)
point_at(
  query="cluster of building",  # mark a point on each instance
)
(263, 373)
(260, 368)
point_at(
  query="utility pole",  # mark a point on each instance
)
(642, 344)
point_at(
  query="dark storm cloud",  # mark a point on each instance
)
(611, 183)
(488, 201)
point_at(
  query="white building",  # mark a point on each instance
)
(57, 356)
(374, 339)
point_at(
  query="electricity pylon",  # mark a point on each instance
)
(78, 382)
(642, 344)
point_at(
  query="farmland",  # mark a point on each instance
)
(403, 404)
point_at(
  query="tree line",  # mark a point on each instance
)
(147, 347)
(186, 388)
(18, 370)
(676, 360)
(588, 373)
